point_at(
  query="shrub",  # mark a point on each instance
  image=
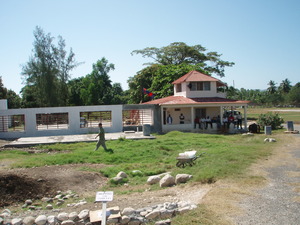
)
(270, 119)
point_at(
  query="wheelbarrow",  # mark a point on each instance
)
(183, 161)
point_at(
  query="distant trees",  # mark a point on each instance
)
(284, 94)
(47, 71)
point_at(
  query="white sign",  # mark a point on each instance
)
(104, 196)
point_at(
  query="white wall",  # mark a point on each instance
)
(74, 120)
(186, 92)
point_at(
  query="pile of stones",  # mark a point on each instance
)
(161, 213)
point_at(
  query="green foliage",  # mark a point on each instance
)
(294, 95)
(172, 62)
(270, 119)
(47, 71)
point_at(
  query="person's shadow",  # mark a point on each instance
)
(109, 150)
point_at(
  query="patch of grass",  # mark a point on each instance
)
(254, 112)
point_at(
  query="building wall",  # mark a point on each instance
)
(186, 92)
(74, 119)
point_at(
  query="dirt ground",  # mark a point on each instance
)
(18, 185)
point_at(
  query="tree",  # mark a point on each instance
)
(47, 70)
(96, 87)
(285, 86)
(158, 79)
(179, 53)
(294, 95)
(13, 100)
(272, 87)
(3, 90)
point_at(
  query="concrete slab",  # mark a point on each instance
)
(32, 141)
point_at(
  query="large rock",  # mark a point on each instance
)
(41, 220)
(122, 174)
(28, 220)
(182, 178)
(167, 181)
(153, 180)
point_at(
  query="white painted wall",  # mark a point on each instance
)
(186, 92)
(74, 120)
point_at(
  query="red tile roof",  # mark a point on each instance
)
(181, 100)
(195, 76)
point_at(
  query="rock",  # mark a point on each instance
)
(163, 222)
(124, 219)
(52, 220)
(84, 214)
(28, 220)
(167, 181)
(41, 220)
(73, 216)
(153, 215)
(153, 180)
(128, 211)
(68, 222)
(182, 178)
(16, 221)
(63, 216)
(117, 180)
(28, 202)
(122, 174)
(49, 206)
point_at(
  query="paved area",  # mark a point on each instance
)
(31, 141)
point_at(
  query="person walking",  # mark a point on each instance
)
(101, 140)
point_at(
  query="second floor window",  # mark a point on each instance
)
(200, 86)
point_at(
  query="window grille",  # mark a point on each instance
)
(92, 119)
(137, 117)
(12, 123)
(52, 121)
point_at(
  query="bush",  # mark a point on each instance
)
(270, 119)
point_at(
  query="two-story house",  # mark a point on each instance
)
(195, 95)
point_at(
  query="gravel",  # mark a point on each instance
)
(278, 203)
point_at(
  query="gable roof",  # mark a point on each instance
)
(181, 100)
(195, 76)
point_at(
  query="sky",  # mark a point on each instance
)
(262, 37)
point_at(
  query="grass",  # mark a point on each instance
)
(254, 112)
(227, 157)
(223, 158)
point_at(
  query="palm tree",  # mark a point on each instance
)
(272, 88)
(285, 86)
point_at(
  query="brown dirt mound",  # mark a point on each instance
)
(15, 189)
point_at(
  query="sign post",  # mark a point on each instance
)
(104, 197)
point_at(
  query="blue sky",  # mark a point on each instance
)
(262, 37)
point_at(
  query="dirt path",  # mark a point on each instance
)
(279, 201)
(268, 194)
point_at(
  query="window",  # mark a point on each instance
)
(137, 117)
(52, 121)
(92, 119)
(12, 123)
(178, 88)
(200, 86)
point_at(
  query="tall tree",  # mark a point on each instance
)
(285, 86)
(3, 90)
(180, 53)
(97, 88)
(272, 87)
(48, 70)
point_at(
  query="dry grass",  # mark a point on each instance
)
(222, 201)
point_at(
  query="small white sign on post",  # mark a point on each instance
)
(104, 196)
